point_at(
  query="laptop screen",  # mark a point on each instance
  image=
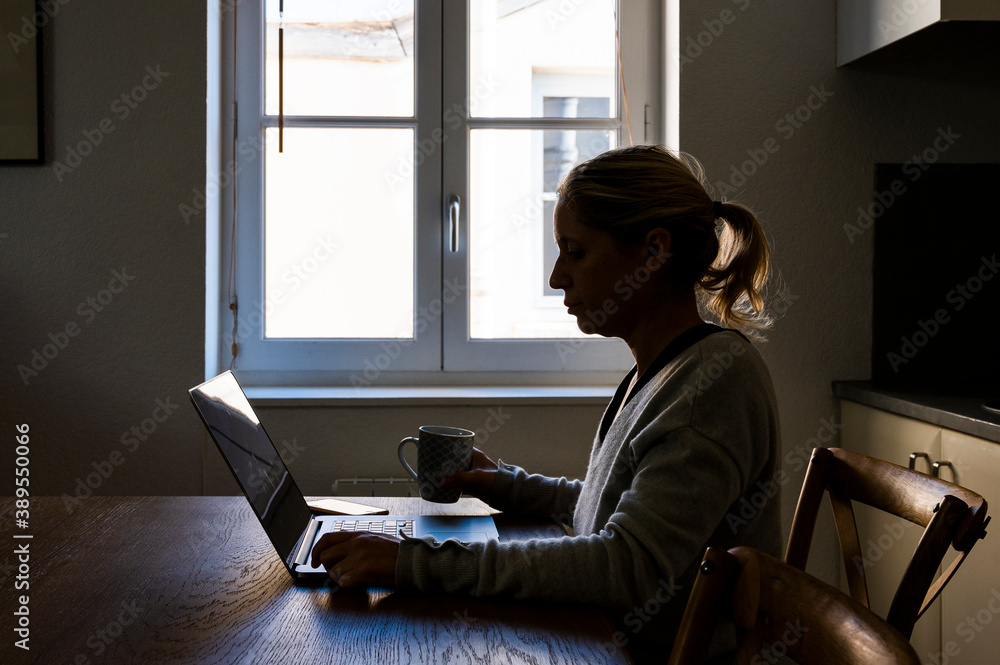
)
(254, 461)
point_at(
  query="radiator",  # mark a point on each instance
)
(374, 487)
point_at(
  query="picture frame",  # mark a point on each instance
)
(21, 107)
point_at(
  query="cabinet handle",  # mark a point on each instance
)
(915, 456)
(936, 470)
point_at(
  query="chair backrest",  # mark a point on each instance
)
(952, 516)
(780, 610)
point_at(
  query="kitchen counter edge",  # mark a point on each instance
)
(962, 413)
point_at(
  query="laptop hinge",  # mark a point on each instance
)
(307, 541)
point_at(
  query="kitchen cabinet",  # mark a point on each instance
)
(970, 607)
(962, 627)
(864, 26)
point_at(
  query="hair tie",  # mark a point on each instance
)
(717, 207)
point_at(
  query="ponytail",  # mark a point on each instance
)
(734, 283)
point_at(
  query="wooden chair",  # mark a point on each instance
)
(952, 516)
(780, 610)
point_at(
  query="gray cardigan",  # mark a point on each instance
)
(688, 462)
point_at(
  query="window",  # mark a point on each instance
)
(396, 169)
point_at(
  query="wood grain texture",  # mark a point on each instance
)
(782, 610)
(195, 580)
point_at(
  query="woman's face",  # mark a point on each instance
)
(599, 279)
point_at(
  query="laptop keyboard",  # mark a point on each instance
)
(388, 527)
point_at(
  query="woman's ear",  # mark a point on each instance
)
(658, 245)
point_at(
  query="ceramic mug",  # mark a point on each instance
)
(441, 451)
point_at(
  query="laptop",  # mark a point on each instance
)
(276, 500)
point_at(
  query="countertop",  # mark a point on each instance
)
(962, 413)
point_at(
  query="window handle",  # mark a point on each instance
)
(454, 210)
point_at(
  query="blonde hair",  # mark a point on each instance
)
(629, 191)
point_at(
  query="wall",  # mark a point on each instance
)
(117, 210)
(106, 201)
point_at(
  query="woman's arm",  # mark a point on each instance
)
(512, 490)
(517, 491)
(680, 494)
(357, 559)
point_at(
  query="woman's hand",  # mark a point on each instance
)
(478, 480)
(358, 559)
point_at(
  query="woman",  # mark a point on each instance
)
(685, 454)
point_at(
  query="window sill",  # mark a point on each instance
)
(287, 396)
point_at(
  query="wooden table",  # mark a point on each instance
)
(195, 580)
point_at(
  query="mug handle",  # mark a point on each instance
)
(399, 451)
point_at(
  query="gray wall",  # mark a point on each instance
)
(113, 210)
(118, 210)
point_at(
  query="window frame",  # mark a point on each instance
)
(441, 352)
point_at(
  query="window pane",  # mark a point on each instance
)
(522, 51)
(339, 234)
(350, 57)
(514, 174)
